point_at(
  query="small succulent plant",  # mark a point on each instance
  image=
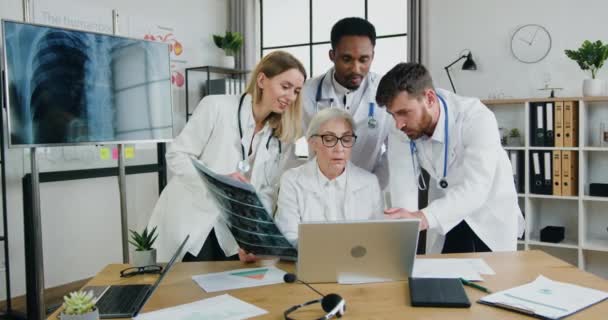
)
(78, 302)
(143, 241)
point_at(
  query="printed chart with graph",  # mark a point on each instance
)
(241, 278)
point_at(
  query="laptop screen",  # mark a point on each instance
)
(164, 272)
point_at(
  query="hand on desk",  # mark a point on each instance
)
(400, 213)
(247, 257)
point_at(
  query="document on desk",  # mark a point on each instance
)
(545, 298)
(239, 278)
(224, 307)
(469, 269)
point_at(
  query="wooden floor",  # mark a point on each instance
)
(52, 296)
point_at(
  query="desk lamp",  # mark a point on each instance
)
(468, 64)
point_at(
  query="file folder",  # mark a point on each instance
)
(549, 137)
(538, 128)
(569, 173)
(547, 173)
(570, 123)
(517, 164)
(557, 173)
(559, 124)
(438, 292)
(536, 181)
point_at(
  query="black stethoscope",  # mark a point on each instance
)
(371, 118)
(443, 182)
(243, 166)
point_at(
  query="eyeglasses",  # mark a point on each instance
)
(129, 272)
(330, 140)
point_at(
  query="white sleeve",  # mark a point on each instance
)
(288, 208)
(191, 142)
(480, 140)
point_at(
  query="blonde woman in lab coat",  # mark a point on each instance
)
(329, 187)
(248, 137)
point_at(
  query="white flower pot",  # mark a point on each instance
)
(93, 315)
(228, 62)
(593, 87)
(144, 258)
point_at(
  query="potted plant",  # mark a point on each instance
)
(144, 254)
(514, 138)
(591, 56)
(231, 43)
(79, 305)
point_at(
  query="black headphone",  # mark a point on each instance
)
(332, 303)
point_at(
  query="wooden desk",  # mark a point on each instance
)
(370, 301)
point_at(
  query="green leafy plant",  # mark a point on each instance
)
(590, 56)
(514, 133)
(78, 302)
(143, 241)
(231, 42)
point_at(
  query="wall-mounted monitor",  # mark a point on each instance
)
(69, 87)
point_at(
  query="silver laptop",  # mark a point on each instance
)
(345, 251)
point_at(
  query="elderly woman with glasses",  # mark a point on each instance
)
(328, 187)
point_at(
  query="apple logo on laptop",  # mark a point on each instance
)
(358, 251)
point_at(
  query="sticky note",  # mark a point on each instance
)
(104, 153)
(129, 152)
(115, 153)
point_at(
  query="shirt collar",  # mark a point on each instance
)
(439, 134)
(340, 180)
(340, 89)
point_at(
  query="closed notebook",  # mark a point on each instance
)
(438, 292)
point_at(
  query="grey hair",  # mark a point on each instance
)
(327, 115)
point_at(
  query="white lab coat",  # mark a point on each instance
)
(367, 152)
(481, 189)
(212, 135)
(301, 198)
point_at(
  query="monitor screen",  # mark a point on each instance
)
(69, 87)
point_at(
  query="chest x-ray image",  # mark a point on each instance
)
(72, 87)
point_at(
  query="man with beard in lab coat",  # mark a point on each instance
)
(473, 203)
(349, 85)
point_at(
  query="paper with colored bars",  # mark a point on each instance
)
(240, 278)
(251, 225)
(224, 307)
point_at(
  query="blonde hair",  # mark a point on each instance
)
(288, 125)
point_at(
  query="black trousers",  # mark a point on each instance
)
(462, 239)
(211, 251)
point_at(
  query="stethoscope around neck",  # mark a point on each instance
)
(443, 182)
(371, 118)
(244, 166)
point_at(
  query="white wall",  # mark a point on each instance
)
(81, 219)
(486, 26)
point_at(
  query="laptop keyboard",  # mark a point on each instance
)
(123, 300)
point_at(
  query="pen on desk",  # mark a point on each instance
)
(474, 285)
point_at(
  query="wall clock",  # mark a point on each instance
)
(530, 43)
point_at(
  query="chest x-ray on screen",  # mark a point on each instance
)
(73, 87)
